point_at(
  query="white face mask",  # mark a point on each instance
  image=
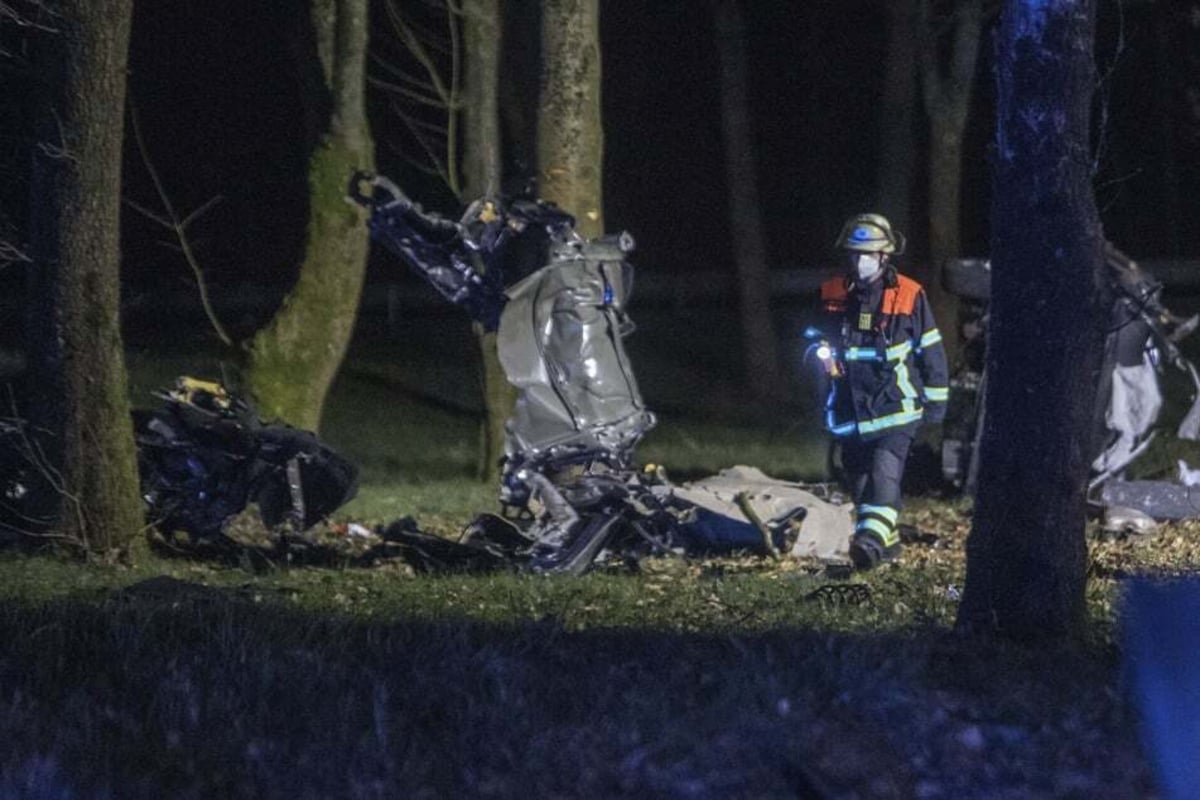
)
(867, 266)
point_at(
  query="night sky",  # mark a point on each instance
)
(216, 91)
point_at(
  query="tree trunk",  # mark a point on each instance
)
(78, 364)
(749, 242)
(570, 136)
(897, 141)
(482, 172)
(945, 188)
(294, 360)
(947, 102)
(1026, 553)
(945, 220)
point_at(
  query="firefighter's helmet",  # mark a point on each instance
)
(870, 233)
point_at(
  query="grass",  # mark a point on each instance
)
(698, 679)
(733, 677)
(183, 693)
(172, 677)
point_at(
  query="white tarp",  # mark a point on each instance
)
(1136, 401)
(825, 528)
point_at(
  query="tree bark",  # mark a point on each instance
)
(897, 141)
(78, 365)
(294, 359)
(482, 172)
(1026, 553)
(945, 186)
(570, 135)
(749, 243)
(947, 97)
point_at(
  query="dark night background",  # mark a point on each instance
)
(216, 89)
(699, 678)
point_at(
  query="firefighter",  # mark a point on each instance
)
(883, 354)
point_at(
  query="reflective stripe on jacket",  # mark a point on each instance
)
(893, 363)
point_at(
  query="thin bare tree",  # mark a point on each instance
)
(178, 226)
(897, 128)
(759, 352)
(948, 36)
(449, 106)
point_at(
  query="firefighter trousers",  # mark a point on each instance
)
(874, 469)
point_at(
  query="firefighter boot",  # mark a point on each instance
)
(867, 551)
(875, 537)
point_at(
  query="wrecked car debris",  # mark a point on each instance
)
(569, 481)
(1158, 499)
(205, 455)
(570, 489)
(704, 518)
(560, 328)
(801, 521)
(1143, 337)
(1121, 522)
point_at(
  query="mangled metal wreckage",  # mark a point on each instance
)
(570, 487)
(1142, 338)
(203, 456)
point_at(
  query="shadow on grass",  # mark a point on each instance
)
(399, 543)
(167, 688)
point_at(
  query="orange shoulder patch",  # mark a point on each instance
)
(902, 298)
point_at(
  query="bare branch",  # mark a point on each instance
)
(420, 166)
(442, 92)
(203, 209)
(11, 254)
(414, 129)
(60, 150)
(403, 76)
(432, 128)
(7, 12)
(30, 449)
(416, 97)
(433, 42)
(179, 229)
(417, 48)
(163, 197)
(455, 89)
(1104, 92)
(145, 212)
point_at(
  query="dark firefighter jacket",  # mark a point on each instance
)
(891, 365)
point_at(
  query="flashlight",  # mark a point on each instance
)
(826, 354)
